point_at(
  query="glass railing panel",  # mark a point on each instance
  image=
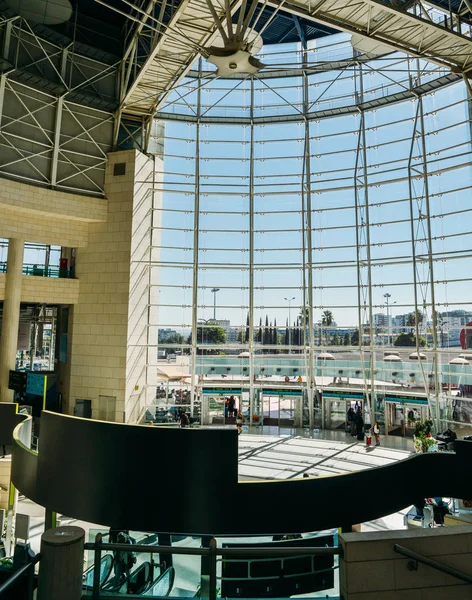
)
(287, 565)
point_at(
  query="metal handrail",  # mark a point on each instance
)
(212, 551)
(5, 586)
(432, 563)
(41, 271)
(261, 551)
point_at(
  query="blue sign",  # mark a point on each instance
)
(36, 384)
(280, 392)
(342, 395)
(406, 400)
(222, 392)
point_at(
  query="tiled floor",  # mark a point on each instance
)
(290, 454)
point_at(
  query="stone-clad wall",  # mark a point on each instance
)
(47, 290)
(370, 569)
(110, 321)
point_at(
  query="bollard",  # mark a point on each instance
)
(61, 566)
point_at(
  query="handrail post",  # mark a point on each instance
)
(97, 557)
(212, 566)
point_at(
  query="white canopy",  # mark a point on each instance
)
(325, 356)
(417, 356)
(392, 358)
(243, 355)
(172, 373)
(459, 361)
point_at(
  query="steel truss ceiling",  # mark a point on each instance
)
(417, 28)
(173, 48)
(446, 42)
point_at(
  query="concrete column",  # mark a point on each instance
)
(11, 315)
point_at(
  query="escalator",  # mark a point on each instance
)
(106, 568)
(141, 580)
(163, 584)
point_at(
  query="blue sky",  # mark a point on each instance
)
(278, 168)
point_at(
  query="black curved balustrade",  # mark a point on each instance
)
(186, 480)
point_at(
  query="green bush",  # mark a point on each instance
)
(408, 339)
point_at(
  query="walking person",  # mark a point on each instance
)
(376, 432)
(239, 421)
(349, 417)
(354, 420)
(360, 426)
(231, 404)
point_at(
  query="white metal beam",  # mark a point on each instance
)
(403, 31)
(175, 45)
(191, 27)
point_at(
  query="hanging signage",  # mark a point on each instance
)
(222, 392)
(17, 381)
(406, 400)
(279, 392)
(343, 395)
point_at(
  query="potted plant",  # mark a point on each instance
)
(423, 440)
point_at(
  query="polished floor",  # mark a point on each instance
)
(286, 456)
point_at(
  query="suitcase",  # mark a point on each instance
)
(368, 440)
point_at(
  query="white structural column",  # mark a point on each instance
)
(11, 315)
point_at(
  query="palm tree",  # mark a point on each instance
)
(327, 320)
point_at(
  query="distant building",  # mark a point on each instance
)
(451, 323)
(399, 323)
(380, 320)
(231, 332)
(165, 334)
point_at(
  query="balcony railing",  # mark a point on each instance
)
(42, 271)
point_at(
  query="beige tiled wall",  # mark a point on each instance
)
(108, 324)
(57, 204)
(108, 357)
(370, 568)
(42, 229)
(47, 290)
(46, 216)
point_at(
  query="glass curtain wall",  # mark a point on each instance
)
(312, 230)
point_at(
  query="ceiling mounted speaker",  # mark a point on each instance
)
(46, 12)
(236, 62)
(235, 45)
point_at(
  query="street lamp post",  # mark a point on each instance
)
(389, 325)
(289, 300)
(214, 290)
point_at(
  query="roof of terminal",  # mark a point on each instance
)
(95, 24)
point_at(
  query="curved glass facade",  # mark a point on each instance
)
(321, 207)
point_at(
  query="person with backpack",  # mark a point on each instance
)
(123, 561)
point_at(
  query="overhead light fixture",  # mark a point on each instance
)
(235, 45)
